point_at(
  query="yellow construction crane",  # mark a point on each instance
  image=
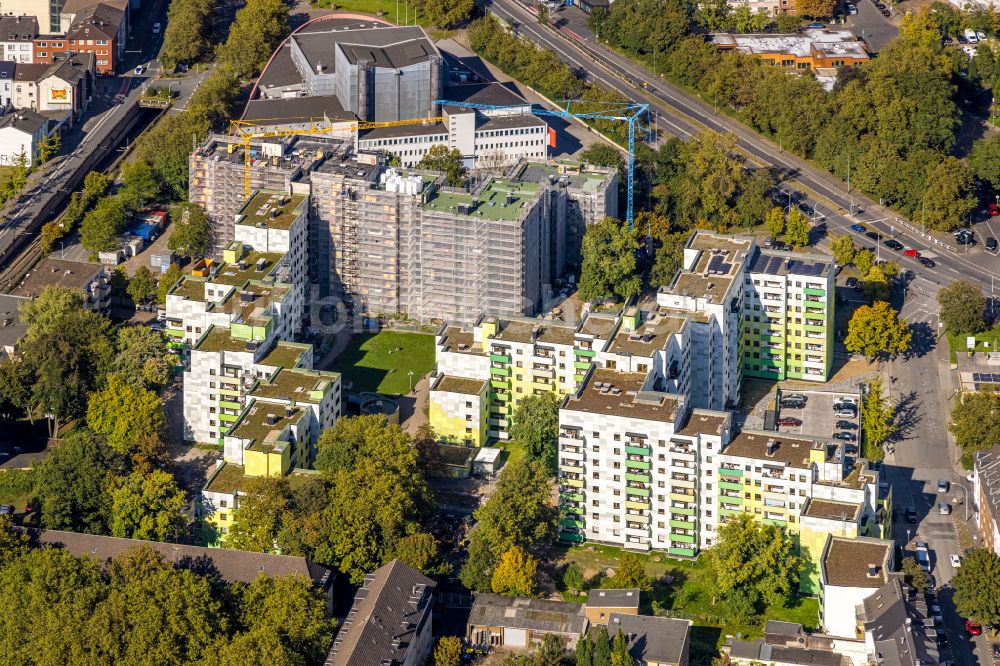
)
(244, 129)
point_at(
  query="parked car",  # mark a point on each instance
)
(943, 486)
(993, 210)
(956, 560)
(893, 244)
(789, 421)
(936, 612)
(911, 516)
(844, 436)
(846, 425)
(860, 228)
(970, 36)
(944, 509)
(840, 406)
(6, 510)
(845, 414)
(847, 399)
(929, 263)
(996, 650)
(769, 241)
(156, 28)
(973, 628)
(910, 252)
(991, 244)
(875, 236)
(923, 556)
(815, 26)
(793, 404)
(795, 396)
(852, 283)
(139, 69)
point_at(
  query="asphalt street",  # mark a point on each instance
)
(678, 113)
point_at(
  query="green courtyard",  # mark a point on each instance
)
(382, 362)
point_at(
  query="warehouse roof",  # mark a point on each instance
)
(562, 617)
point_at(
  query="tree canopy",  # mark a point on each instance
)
(609, 262)
(536, 427)
(875, 330)
(125, 413)
(514, 575)
(446, 160)
(977, 587)
(192, 235)
(963, 307)
(975, 421)
(148, 506)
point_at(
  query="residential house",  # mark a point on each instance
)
(24, 93)
(17, 34)
(90, 279)
(71, 8)
(11, 328)
(851, 570)
(100, 29)
(986, 494)
(897, 627)
(602, 603)
(6, 82)
(520, 624)
(21, 133)
(389, 623)
(61, 90)
(653, 641)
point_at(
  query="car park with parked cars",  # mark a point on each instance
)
(844, 436)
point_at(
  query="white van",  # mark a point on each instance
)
(970, 36)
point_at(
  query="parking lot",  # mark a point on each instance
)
(817, 416)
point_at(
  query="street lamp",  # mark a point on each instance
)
(965, 491)
(410, 373)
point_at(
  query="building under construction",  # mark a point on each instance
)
(390, 240)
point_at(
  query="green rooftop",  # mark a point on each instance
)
(253, 425)
(220, 339)
(490, 203)
(228, 479)
(296, 385)
(285, 354)
(451, 384)
(233, 275)
(252, 310)
(275, 210)
(190, 288)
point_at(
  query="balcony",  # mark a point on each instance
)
(731, 485)
(637, 476)
(689, 497)
(570, 496)
(637, 516)
(682, 538)
(638, 492)
(586, 353)
(637, 450)
(572, 483)
(730, 469)
(569, 522)
(581, 365)
(499, 371)
(685, 509)
(732, 495)
(571, 466)
(773, 474)
(499, 358)
(682, 551)
(637, 504)
(637, 464)
(637, 526)
(683, 524)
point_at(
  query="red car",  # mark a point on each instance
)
(910, 252)
(993, 209)
(789, 421)
(973, 628)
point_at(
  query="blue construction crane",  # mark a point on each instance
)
(629, 112)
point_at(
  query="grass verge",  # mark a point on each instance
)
(382, 362)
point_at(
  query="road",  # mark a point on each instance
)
(683, 115)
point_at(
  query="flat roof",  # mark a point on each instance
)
(251, 301)
(620, 394)
(218, 339)
(228, 479)
(719, 262)
(829, 42)
(650, 337)
(499, 200)
(235, 276)
(793, 451)
(275, 210)
(831, 510)
(535, 330)
(285, 354)
(452, 384)
(704, 422)
(599, 325)
(613, 598)
(792, 263)
(295, 384)
(253, 424)
(460, 341)
(848, 562)
(51, 271)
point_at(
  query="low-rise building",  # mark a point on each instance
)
(986, 495)
(653, 641)
(61, 90)
(11, 328)
(521, 624)
(99, 29)
(90, 280)
(851, 571)
(22, 133)
(17, 34)
(602, 603)
(389, 622)
(897, 626)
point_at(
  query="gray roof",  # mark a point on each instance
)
(386, 614)
(26, 120)
(779, 628)
(885, 615)
(30, 71)
(761, 651)
(297, 109)
(613, 598)
(484, 123)
(96, 21)
(7, 68)
(559, 617)
(988, 479)
(395, 56)
(498, 94)
(653, 639)
(18, 28)
(231, 565)
(72, 69)
(392, 47)
(11, 328)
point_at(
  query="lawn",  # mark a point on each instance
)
(382, 362)
(373, 7)
(685, 589)
(985, 341)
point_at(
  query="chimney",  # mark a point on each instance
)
(270, 419)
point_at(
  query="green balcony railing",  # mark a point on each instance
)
(637, 450)
(638, 464)
(633, 476)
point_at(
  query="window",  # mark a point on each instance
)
(42, 54)
(222, 516)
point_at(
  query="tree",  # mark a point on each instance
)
(876, 330)
(755, 562)
(631, 574)
(551, 652)
(103, 225)
(447, 13)
(585, 650)
(50, 146)
(669, 255)
(914, 574)
(448, 651)
(573, 579)
(514, 575)
(518, 513)
(139, 184)
(775, 221)
(186, 37)
(192, 235)
(876, 420)
(843, 249)
(349, 440)
(72, 485)
(448, 161)
(536, 427)
(975, 422)
(797, 231)
(125, 413)
(603, 155)
(166, 282)
(977, 587)
(963, 308)
(290, 604)
(815, 8)
(214, 99)
(261, 515)
(602, 648)
(619, 651)
(420, 551)
(876, 285)
(142, 286)
(95, 186)
(259, 27)
(950, 194)
(609, 262)
(985, 160)
(141, 357)
(864, 260)
(148, 506)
